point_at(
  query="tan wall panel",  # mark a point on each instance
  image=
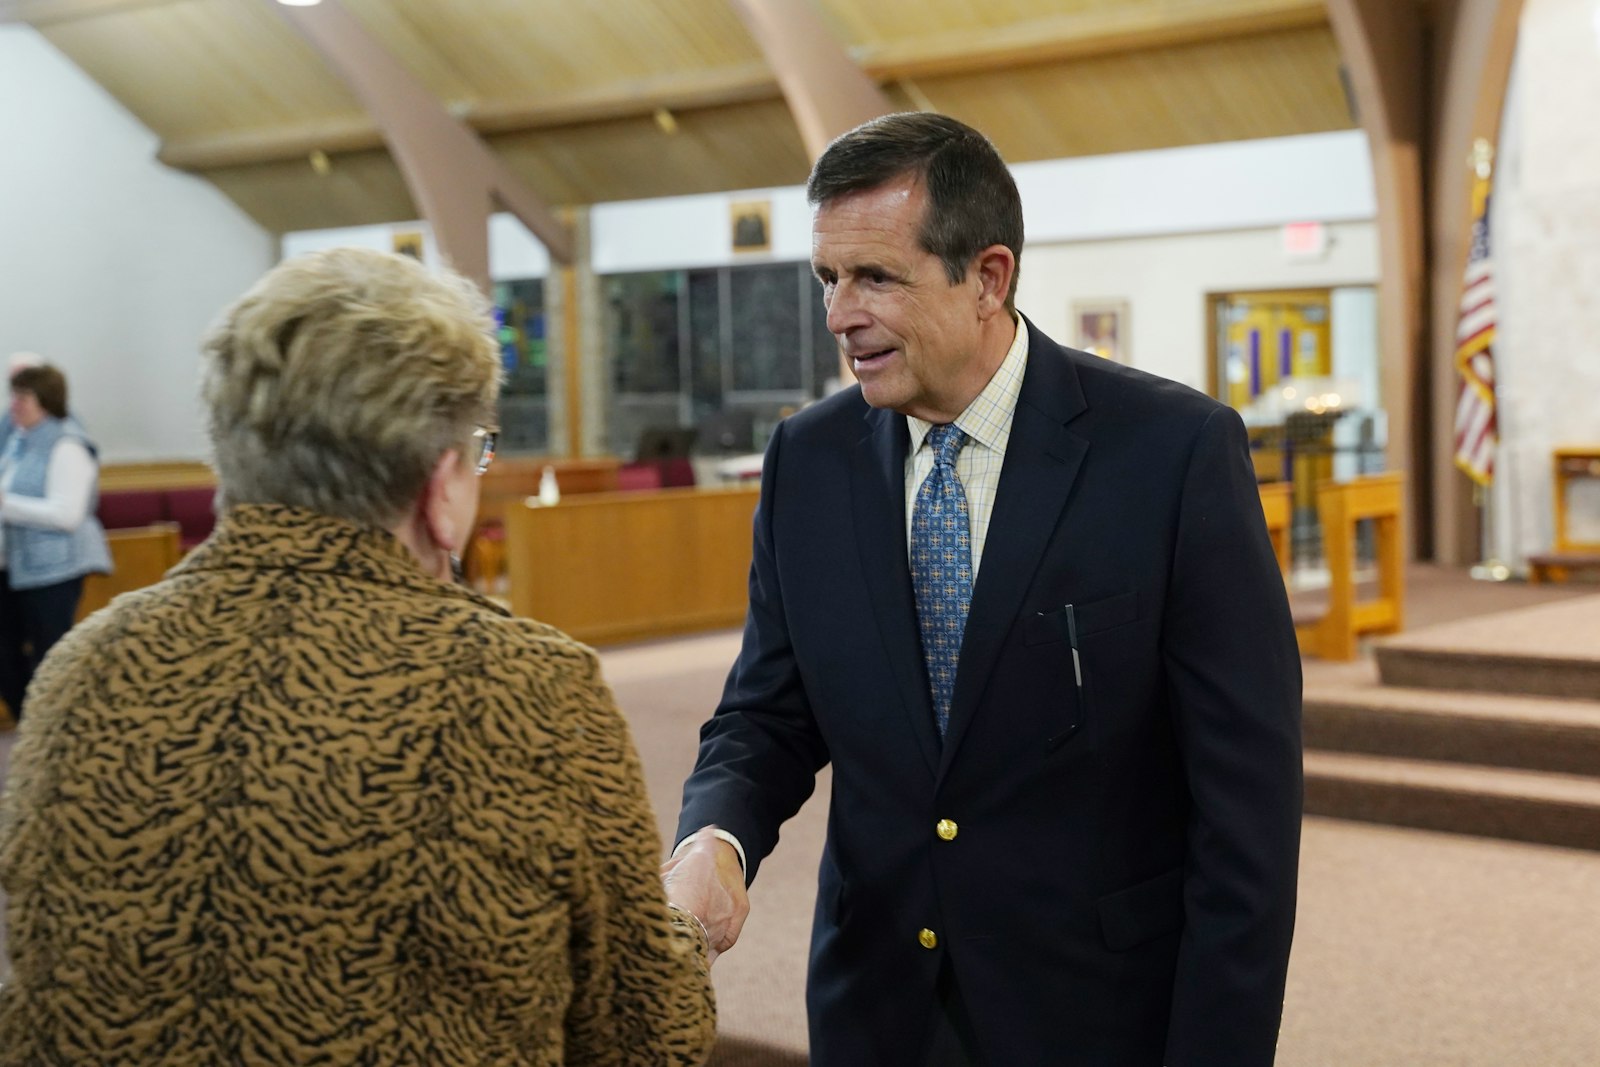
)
(739, 146)
(199, 68)
(361, 188)
(1263, 86)
(490, 49)
(889, 20)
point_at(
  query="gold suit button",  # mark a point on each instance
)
(946, 830)
(927, 938)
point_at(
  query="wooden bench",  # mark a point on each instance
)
(139, 557)
(1340, 506)
(137, 495)
(1567, 556)
(1277, 507)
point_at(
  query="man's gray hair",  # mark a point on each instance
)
(972, 199)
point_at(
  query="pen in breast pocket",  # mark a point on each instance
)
(1072, 639)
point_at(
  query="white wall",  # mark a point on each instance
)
(1165, 281)
(514, 252)
(1242, 185)
(111, 265)
(1239, 185)
(1545, 230)
(1158, 229)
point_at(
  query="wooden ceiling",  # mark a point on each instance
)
(567, 92)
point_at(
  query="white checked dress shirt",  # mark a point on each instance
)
(987, 424)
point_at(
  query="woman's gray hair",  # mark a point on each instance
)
(341, 377)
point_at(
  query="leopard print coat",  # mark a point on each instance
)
(300, 803)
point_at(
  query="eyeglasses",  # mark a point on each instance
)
(484, 440)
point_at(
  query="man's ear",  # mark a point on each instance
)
(438, 504)
(995, 267)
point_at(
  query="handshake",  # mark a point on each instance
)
(705, 878)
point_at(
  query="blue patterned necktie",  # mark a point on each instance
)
(941, 567)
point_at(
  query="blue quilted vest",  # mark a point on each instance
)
(36, 556)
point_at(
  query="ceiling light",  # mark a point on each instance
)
(299, 3)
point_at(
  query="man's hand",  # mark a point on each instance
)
(705, 877)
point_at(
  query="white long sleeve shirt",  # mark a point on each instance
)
(68, 485)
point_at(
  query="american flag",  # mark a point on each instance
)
(1476, 430)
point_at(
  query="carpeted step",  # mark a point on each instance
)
(1488, 729)
(1552, 650)
(1517, 805)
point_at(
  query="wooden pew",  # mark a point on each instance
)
(1340, 505)
(139, 557)
(158, 474)
(1277, 507)
(613, 567)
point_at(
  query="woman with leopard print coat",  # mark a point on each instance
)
(308, 800)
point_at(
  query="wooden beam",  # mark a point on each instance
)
(827, 92)
(1382, 43)
(741, 83)
(49, 12)
(1110, 30)
(745, 83)
(1138, 24)
(634, 100)
(1425, 90)
(452, 175)
(1476, 42)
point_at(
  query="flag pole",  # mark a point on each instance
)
(1490, 568)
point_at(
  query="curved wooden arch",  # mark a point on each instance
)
(827, 93)
(1427, 80)
(453, 176)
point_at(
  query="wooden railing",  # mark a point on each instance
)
(1340, 506)
(161, 474)
(615, 567)
(608, 567)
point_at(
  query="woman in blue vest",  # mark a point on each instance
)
(48, 477)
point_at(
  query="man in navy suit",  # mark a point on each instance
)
(1023, 600)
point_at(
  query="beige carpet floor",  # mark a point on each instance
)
(1413, 948)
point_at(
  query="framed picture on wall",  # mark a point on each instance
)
(751, 222)
(1101, 327)
(407, 243)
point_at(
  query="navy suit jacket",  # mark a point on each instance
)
(1120, 889)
